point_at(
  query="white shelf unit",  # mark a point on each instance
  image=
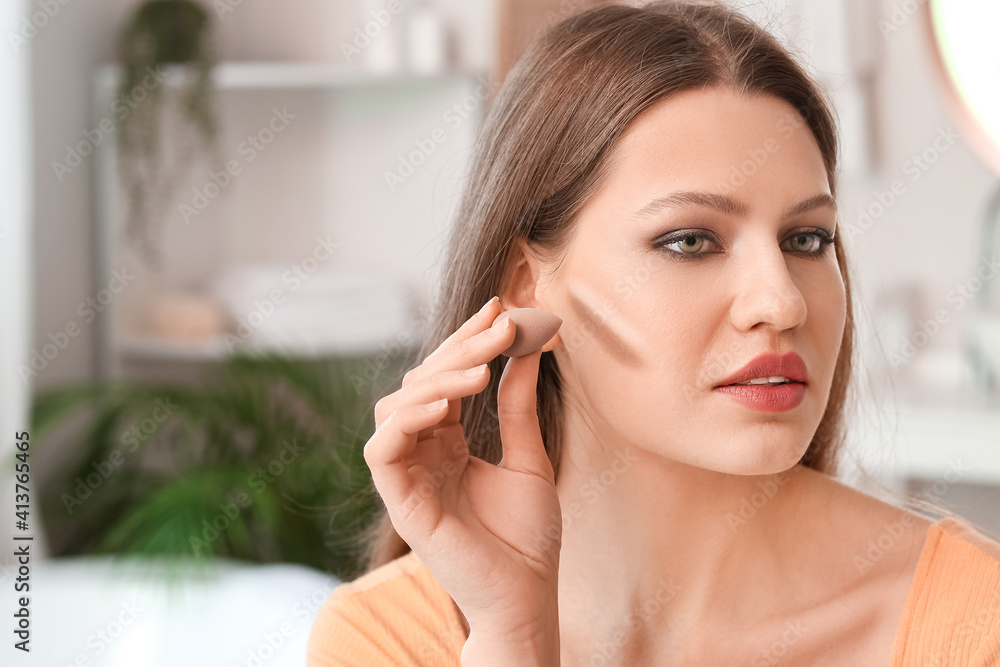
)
(252, 75)
(328, 182)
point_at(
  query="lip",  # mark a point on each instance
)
(789, 365)
(765, 398)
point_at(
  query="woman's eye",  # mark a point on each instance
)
(806, 242)
(690, 244)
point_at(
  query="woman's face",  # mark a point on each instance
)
(661, 304)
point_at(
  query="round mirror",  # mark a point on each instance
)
(967, 54)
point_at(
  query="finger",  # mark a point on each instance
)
(517, 411)
(480, 344)
(453, 385)
(469, 353)
(473, 380)
(485, 348)
(478, 322)
(473, 352)
(387, 451)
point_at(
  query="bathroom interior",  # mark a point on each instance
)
(296, 208)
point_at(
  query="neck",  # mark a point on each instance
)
(658, 550)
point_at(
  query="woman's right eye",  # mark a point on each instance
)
(686, 244)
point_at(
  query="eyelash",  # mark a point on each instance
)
(825, 241)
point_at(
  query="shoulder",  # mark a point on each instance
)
(396, 614)
(943, 576)
(952, 614)
(960, 566)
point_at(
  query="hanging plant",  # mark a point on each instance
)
(160, 33)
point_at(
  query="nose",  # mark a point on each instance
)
(766, 293)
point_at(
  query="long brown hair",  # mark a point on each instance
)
(544, 150)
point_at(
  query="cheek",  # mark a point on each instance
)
(637, 337)
(826, 301)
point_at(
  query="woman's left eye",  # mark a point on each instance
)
(810, 242)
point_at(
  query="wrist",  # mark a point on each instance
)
(537, 625)
(525, 634)
(489, 649)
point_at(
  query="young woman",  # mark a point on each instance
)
(664, 179)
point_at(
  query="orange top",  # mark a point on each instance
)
(398, 614)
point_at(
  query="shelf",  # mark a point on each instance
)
(251, 75)
(923, 441)
(149, 348)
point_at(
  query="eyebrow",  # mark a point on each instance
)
(726, 204)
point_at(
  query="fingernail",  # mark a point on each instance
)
(476, 370)
(489, 303)
(500, 326)
(436, 405)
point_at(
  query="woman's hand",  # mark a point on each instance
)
(489, 534)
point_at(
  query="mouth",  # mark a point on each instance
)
(768, 383)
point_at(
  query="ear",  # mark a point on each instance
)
(522, 288)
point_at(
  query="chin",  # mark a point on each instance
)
(762, 458)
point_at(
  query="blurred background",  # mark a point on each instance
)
(223, 222)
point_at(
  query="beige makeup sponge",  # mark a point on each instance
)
(534, 327)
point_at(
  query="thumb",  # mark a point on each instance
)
(517, 411)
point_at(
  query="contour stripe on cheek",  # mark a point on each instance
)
(605, 324)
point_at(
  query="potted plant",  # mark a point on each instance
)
(161, 33)
(262, 462)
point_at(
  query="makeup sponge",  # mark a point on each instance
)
(533, 328)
